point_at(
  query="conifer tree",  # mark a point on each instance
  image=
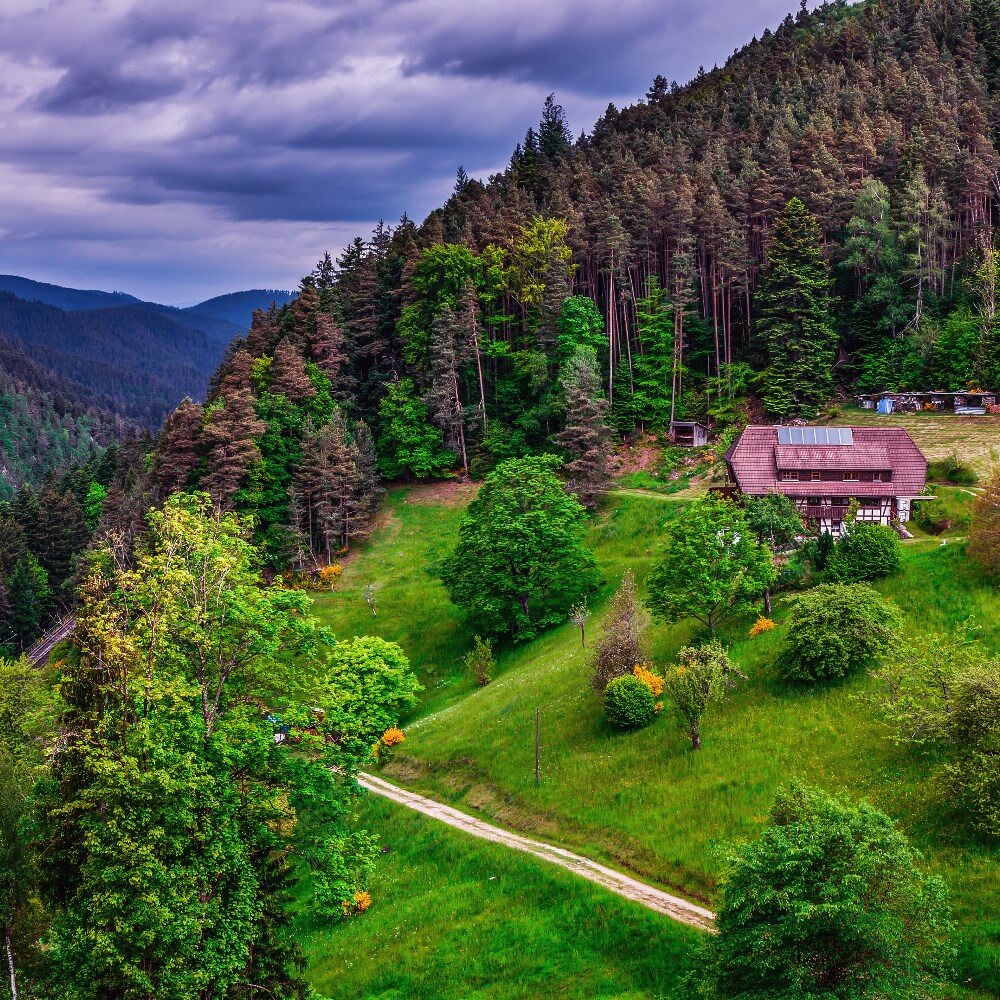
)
(793, 316)
(586, 436)
(443, 398)
(288, 373)
(231, 430)
(177, 451)
(329, 351)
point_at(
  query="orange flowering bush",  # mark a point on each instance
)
(327, 576)
(361, 901)
(393, 736)
(652, 680)
(390, 739)
(762, 624)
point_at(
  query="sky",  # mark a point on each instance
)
(178, 149)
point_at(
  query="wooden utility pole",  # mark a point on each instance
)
(538, 743)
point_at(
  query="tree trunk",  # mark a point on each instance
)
(9, 944)
(767, 603)
(695, 735)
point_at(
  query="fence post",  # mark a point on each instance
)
(538, 725)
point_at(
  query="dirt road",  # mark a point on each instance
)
(624, 885)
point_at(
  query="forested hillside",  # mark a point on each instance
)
(46, 422)
(815, 217)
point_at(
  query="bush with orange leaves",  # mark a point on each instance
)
(651, 679)
(761, 625)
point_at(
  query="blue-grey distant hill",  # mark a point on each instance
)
(238, 307)
(141, 358)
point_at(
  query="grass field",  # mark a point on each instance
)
(975, 440)
(643, 800)
(457, 918)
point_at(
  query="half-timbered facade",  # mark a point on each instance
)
(824, 469)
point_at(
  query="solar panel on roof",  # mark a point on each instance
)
(815, 435)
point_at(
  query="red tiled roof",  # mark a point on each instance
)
(756, 457)
(844, 456)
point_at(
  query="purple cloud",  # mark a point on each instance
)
(180, 149)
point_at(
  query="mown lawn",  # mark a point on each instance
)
(454, 917)
(645, 801)
(975, 440)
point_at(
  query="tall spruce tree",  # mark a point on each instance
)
(586, 436)
(793, 310)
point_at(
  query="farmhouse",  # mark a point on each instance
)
(824, 468)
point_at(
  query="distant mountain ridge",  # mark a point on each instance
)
(236, 307)
(139, 359)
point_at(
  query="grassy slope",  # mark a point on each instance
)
(975, 439)
(643, 799)
(455, 918)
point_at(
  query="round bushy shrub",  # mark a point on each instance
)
(628, 703)
(867, 552)
(836, 629)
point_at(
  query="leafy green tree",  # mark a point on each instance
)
(831, 903)
(173, 814)
(27, 720)
(703, 677)
(520, 563)
(867, 551)
(409, 444)
(30, 599)
(369, 686)
(580, 325)
(836, 629)
(944, 693)
(711, 565)
(776, 521)
(793, 316)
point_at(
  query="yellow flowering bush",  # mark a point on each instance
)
(762, 624)
(648, 677)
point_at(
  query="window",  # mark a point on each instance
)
(789, 477)
(876, 477)
(816, 476)
(851, 477)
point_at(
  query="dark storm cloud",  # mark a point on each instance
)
(184, 147)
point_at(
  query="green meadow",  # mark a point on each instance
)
(644, 801)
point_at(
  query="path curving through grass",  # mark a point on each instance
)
(674, 907)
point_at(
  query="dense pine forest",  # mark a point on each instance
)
(814, 218)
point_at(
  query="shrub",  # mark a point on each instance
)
(479, 661)
(628, 703)
(760, 626)
(818, 550)
(952, 470)
(830, 903)
(836, 629)
(932, 516)
(867, 552)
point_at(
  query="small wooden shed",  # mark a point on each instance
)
(689, 433)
